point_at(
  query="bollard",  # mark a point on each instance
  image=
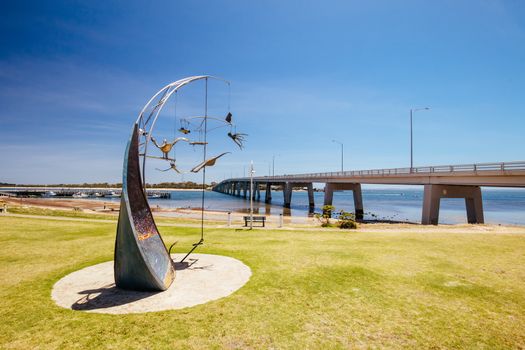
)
(229, 219)
(281, 220)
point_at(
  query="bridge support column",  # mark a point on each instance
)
(287, 194)
(357, 194)
(268, 194)
(432, 197)
(244, 189)
(311, 202)
(257, 191)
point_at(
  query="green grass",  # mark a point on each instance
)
(59, 213)
(317, 290)
(80, 214)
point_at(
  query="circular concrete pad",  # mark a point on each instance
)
(201, 278)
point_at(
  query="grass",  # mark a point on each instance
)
(316, 290)
(80, 214)
(16, 209)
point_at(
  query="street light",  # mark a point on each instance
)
(342, 153)
(273, 164)
(252, 171)
(412, 111)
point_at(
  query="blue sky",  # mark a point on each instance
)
(75, 74)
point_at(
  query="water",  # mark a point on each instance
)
(501, 206)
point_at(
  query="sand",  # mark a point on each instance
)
(220, 219)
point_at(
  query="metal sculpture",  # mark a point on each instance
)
(142, 261)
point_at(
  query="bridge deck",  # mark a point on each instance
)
(510, 174)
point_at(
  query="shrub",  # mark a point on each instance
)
(346, 220)
(325, 216)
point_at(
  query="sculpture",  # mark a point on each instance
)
(142, 261)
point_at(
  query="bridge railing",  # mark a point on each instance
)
(480, 167)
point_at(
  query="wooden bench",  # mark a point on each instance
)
(261, 219)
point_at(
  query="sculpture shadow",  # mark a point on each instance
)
(108, 296)
(185, 265)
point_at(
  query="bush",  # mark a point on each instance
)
(325, 216)
(346, 220)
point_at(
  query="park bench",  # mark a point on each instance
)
(261, 219)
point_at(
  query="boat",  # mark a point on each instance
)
(113, 194)
(98, 194)
(49, 194)
(80, 195)
(154, 195)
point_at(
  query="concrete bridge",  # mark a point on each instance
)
(449, 181)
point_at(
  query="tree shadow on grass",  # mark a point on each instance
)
(108, 296)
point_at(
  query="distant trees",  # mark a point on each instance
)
(173, 185)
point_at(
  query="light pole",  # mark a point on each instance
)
(342, 153)
(273, 164)
(251, 194)
(412, 111)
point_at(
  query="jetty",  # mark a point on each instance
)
(78, 192)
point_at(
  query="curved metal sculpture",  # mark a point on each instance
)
(142, 261)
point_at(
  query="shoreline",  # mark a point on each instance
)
(96, 188)
(111, 210)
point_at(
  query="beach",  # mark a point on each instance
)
(215, 218)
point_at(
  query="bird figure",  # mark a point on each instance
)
(207, 162)
(172, 167)
(166, 146)
(238, 138)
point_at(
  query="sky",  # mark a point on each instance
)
(74, 76)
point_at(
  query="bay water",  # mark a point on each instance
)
(501, 206)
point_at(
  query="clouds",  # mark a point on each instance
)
(74, 76)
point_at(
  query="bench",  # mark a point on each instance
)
(261, 219)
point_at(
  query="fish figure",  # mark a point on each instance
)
(207, 162)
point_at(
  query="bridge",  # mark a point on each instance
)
(447, 181)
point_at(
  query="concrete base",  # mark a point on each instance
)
(358, 197)
(200, 279)
(432, 197)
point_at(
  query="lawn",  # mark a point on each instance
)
(309, 289)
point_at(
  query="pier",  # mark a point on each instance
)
(447, 181)
(78, 192)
